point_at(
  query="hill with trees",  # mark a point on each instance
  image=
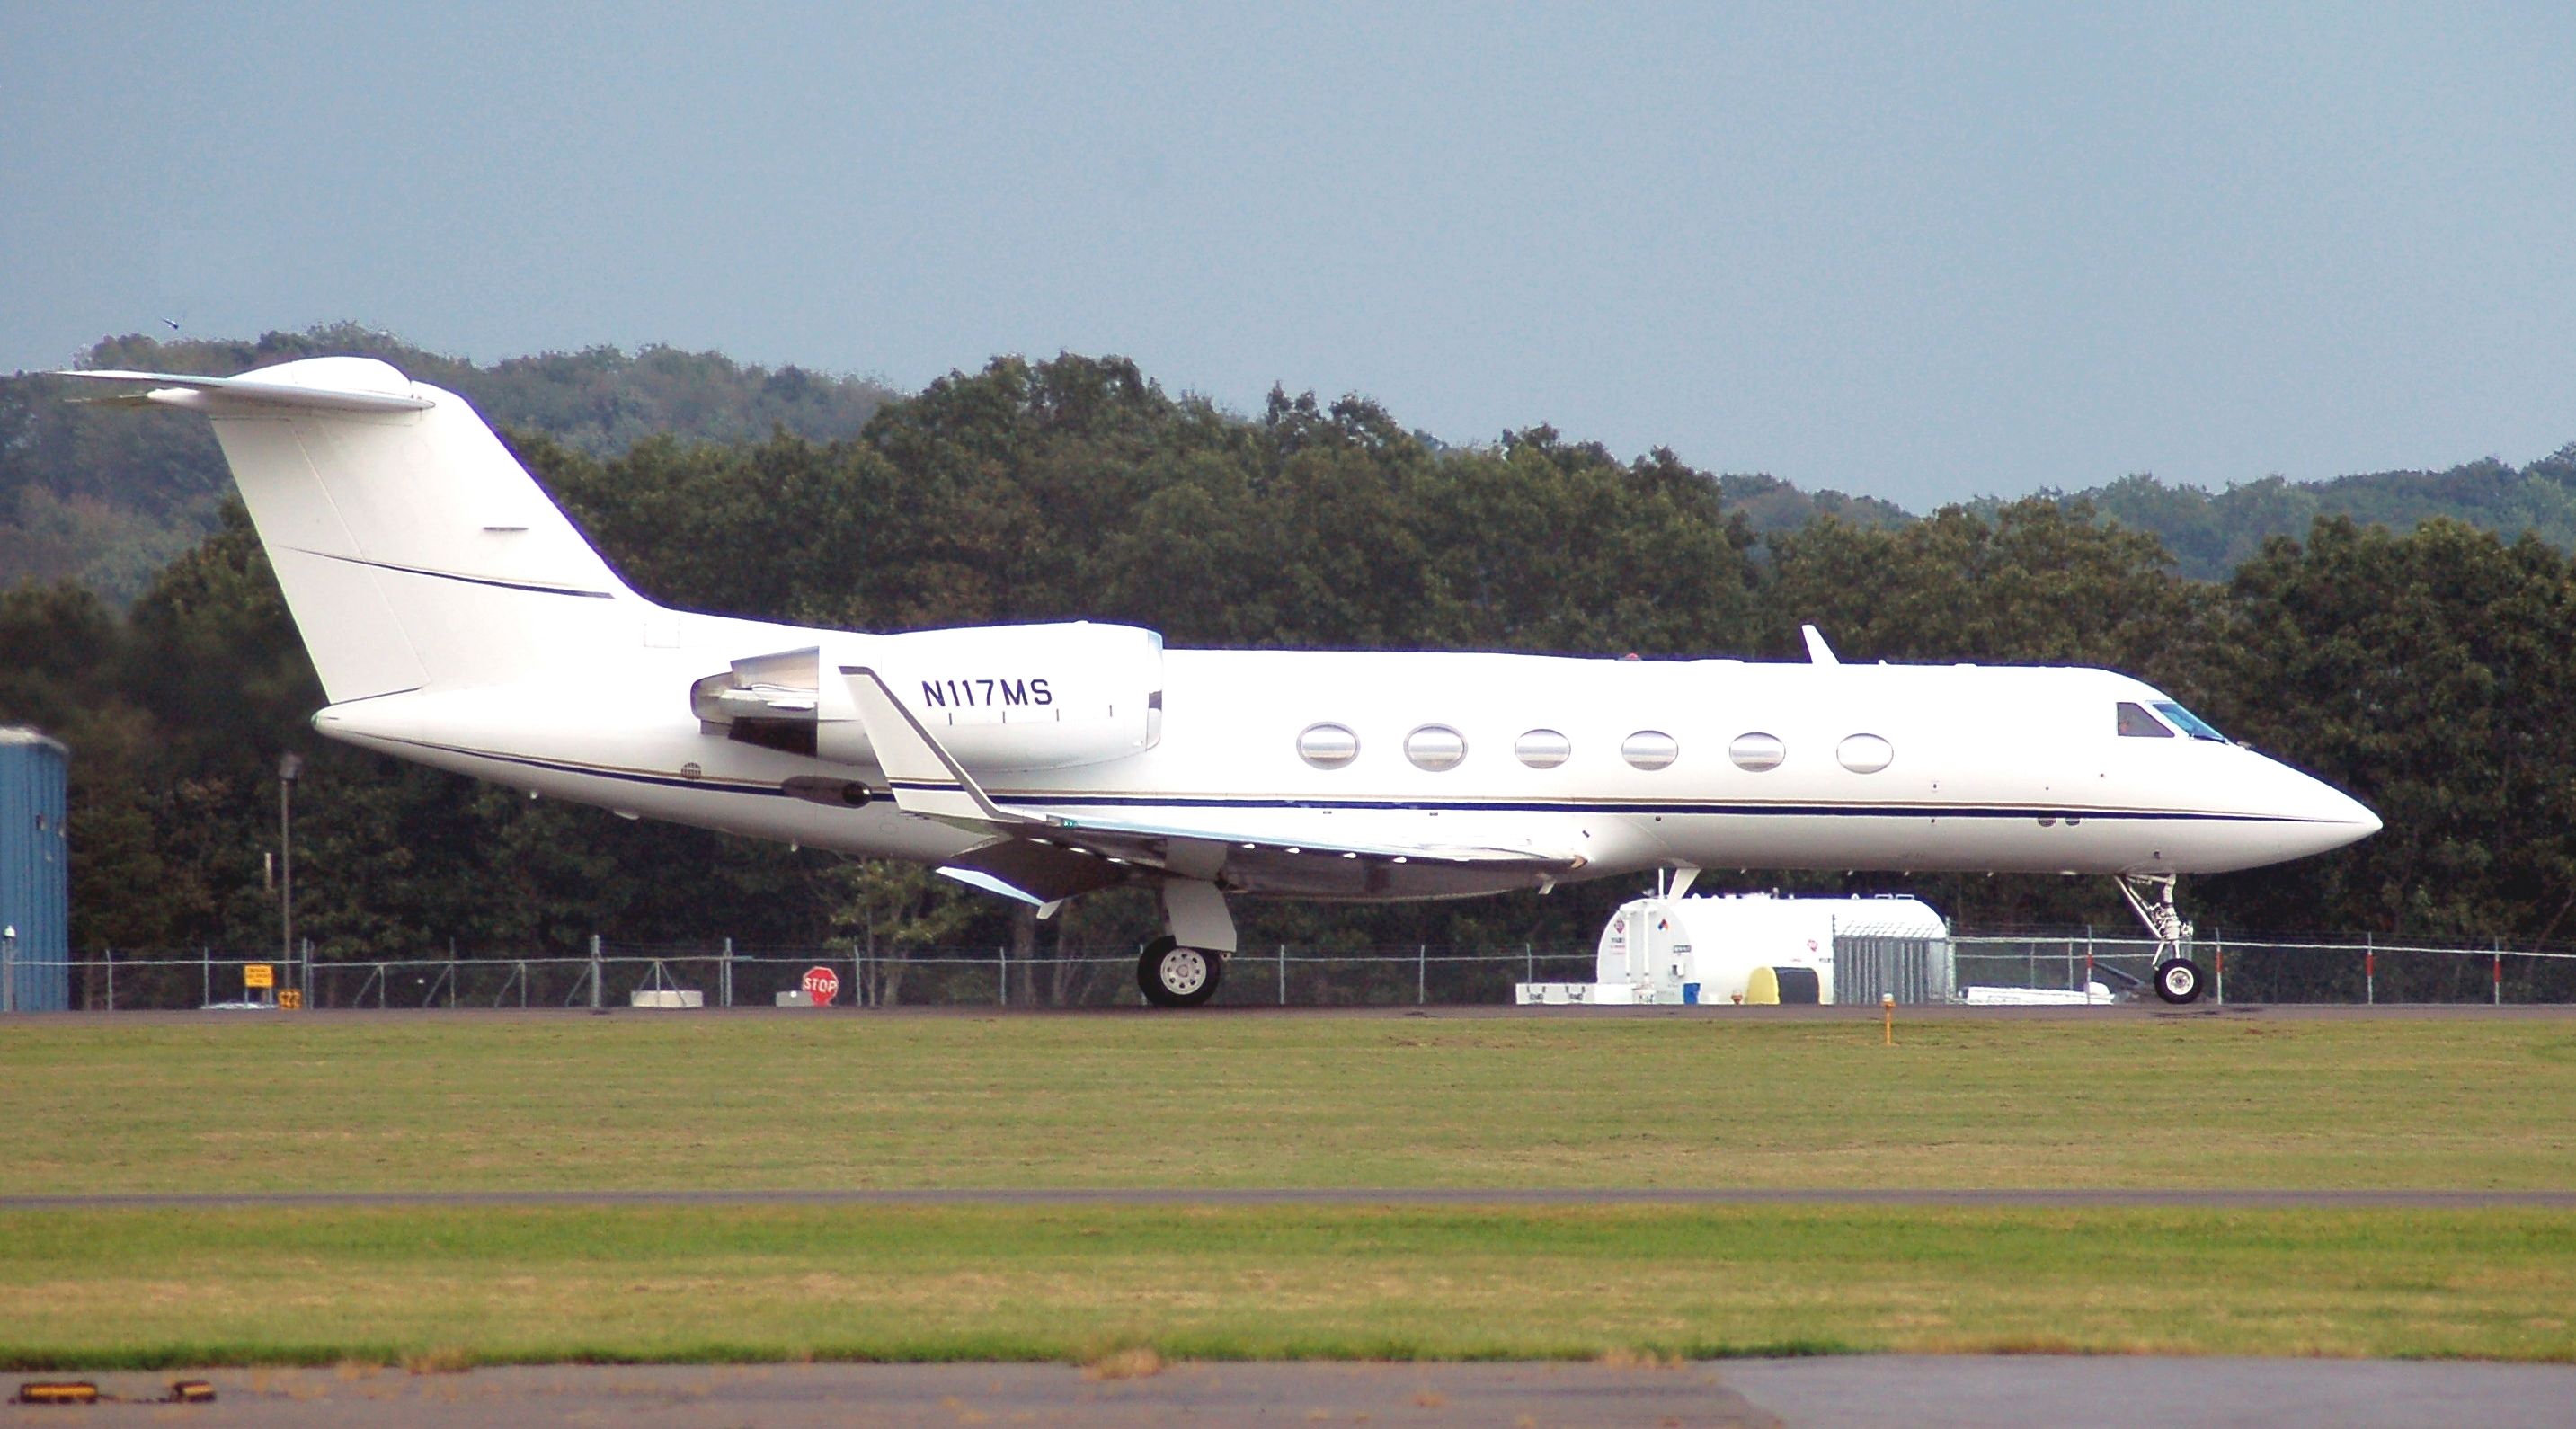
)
(2212, 533)
(107, 499)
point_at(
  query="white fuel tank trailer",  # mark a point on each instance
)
(1760, 948)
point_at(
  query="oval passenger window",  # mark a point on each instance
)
(1435, 747)
(1866, 754)
(1543, 749)
(1650, 749)
(1757, 752)
(1328, 746)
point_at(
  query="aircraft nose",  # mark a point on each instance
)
(2284, 813)
(2338, 817)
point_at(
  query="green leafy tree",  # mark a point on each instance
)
(888, 913)
(2426, 673)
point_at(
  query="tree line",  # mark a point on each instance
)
(107, 499)
(2423, 670)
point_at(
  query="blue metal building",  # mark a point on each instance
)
(35, 871)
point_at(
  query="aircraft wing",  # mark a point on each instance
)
(1062, 857)
(1046, 857)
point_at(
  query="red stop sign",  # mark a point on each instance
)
(822, 985)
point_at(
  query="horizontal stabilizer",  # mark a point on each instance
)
(346, 385)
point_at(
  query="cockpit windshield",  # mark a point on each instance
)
(2136, 723)
(2189, 723)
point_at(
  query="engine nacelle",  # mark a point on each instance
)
(998, 698)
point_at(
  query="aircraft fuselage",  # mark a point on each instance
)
(1771, 765)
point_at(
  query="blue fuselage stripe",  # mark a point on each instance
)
(1072, 801)
(1620, 806)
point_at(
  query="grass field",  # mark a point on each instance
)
(769, 1102)
(761, 1101)
(146, 1289)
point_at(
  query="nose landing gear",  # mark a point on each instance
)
(2176, 977)
(2178, 980)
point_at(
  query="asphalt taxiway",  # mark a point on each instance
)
(1996, 1197)
(1859, 1391)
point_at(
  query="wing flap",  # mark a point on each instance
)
(1262, 861)
(1047, 872)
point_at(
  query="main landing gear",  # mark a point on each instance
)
(2176, 977)
(1183, 967)
(1174, 976)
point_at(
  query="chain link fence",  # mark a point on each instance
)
(2339, 971)
(1280, 975)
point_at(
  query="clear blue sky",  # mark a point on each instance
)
(1917, 251)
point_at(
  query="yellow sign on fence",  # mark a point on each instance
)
(290, 999)
(258, 975)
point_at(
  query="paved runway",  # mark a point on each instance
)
(2219, 1199)
(1859, 1391)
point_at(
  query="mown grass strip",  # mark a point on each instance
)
(757, 1101)
(150, 1289)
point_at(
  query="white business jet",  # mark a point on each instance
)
(458, 619)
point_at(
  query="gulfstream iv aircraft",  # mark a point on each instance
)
(458, 619)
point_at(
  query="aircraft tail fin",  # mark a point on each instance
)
(414, 551)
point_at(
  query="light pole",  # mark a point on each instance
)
(289, 765)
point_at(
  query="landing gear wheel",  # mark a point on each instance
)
(1174, 976)
(2178, 981)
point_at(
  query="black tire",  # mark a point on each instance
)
(2178, 981)
(1173, 976)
